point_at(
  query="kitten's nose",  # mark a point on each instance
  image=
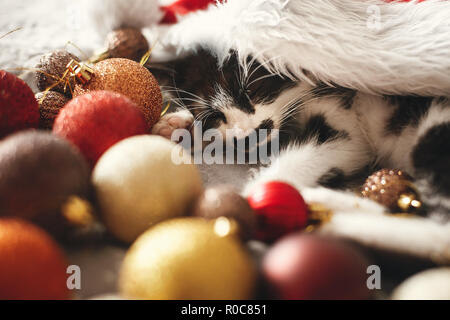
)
(239, 133)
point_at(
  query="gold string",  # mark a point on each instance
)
(12, 31)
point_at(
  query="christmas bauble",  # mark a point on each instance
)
(306, 267)
(128, 43)
(223, 201)
(280, 209)
(138, 185)
(432, 284)
(38, 174)
(18, 107)
(32, 265)
(52, 67)
(130, 79)
(185, 259)
(96, 121)
(50, 104)
(393, 189)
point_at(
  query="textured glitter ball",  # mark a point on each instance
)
(127, 43)
(129, 78)
(18, 107)
(50, 104)
(392, 189)
(54, 64)
(187, 259)
(96, 121)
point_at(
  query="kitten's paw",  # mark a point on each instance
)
(170, 122)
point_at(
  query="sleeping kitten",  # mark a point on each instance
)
(330, 135)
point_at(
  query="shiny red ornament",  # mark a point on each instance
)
(19, 109)
(309, 267)
(280, 210)
(96, 121)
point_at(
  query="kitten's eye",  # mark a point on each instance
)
(219, 116)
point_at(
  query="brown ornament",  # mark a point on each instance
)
(55, 64)
(393, 189)
(127, 43)
(39, 172)
(50, 103)
(129, 78)
(223, 201)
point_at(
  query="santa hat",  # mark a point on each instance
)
(370, 45)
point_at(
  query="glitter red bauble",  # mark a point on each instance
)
(96, 121)
(280, 209)
(18, 108)
(308, 267)
(32, 265)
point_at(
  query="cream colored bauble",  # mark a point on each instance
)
(141, 181)
(188, 259)
(433, 284)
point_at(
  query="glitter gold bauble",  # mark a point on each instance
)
(392, 189)
(130, 79)
(186, 259)
(50, 103)
(127, 43)
(32, 265)
(138, 185)
(54, 64)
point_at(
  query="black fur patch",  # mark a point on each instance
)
(346, 96)
(431, 157)
(317, 127)
(409, 111)
(266, 125)
(334, 179)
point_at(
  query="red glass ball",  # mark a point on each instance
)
(19, 109)
(96, 121)
(309, 267)
(280, 210)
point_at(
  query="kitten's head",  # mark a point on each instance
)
(235, 98)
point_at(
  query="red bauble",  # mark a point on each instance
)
(18, 108)
(96, 121)
(32, 266)
(280, 210)
(307, 267)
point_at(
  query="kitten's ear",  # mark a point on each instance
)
(192, 71)
(163, 72)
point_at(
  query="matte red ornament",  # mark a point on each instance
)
(96, 121)
(33, 266)
(280, 210)
(18, 108)
(309, 267)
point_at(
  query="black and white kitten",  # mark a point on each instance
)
(330, 134)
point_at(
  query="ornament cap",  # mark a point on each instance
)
(225, 227)
(81, 72)
(409, 201)
(78, 212)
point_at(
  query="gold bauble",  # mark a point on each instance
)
(129, 78)
(138, 184)
(187, 259)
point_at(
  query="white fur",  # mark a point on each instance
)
(333, 39)
(105, 16)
